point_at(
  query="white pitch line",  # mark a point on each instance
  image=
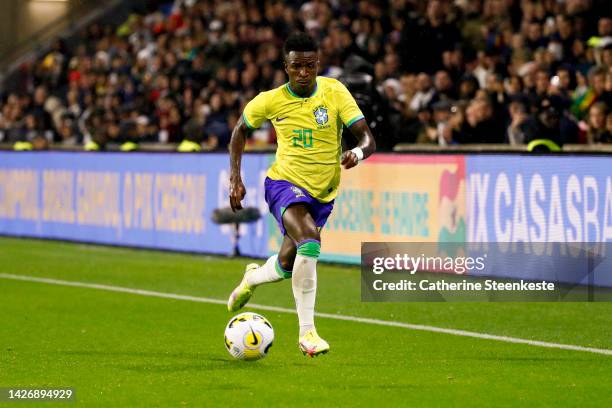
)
(366, 320)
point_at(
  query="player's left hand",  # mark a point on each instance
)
(349, 159)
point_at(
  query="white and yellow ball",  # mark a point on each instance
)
(248, 336)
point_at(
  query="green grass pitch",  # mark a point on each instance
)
(122, 349)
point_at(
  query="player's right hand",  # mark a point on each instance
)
(236, 194)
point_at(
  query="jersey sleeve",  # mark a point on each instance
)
(255, 112)
(347, 107)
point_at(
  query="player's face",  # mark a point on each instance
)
(302, 68)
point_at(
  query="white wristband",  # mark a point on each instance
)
(358, 152)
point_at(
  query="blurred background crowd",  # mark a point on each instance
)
(432, 72)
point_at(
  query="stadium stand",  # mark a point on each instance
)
(529, 74)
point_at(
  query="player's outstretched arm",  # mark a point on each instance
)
(365, 147)
(236, 148)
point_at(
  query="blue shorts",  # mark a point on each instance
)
(280, 194)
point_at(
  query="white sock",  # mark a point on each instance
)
(304, 283)
(268, 272)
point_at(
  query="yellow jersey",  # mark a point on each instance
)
(308, 133)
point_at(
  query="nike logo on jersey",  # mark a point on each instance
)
(279, 119)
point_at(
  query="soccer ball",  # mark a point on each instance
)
(248, 336)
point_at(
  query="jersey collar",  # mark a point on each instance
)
(303, 97)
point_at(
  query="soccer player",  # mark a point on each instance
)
(308, 114)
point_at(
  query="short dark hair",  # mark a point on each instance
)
(301, 42)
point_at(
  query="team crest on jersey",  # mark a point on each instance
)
(320, 115)
(297, 191)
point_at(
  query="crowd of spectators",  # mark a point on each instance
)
(443, 72)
